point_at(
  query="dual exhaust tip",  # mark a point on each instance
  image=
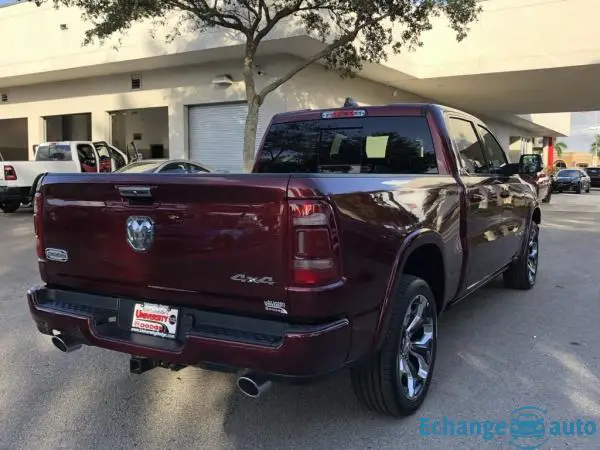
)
(250, 384)
(65, 343)
(253, 385)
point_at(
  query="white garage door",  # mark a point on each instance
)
(216, 135)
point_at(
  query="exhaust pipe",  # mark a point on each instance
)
(253, 385)
(65, 343)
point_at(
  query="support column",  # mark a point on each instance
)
(36, 133)
(178, 141)
(515, 148)
(551, 141)
(545, 151)
(100, 126)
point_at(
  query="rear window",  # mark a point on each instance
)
(53, 152)
(386, 145)
(568, 173)
(594, 172)
(139, 167)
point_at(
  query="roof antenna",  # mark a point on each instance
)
(350, 103)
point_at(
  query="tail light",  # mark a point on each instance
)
(37, 224)
(316, 250)
(9, 173)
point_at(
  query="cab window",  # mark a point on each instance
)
(468, 146)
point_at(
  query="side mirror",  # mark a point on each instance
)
(530, 164)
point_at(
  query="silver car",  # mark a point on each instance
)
(165, 166)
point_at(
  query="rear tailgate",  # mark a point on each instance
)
(208, 240)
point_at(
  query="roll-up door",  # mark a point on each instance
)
(216, 135)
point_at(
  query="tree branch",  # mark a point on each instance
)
(346, 39)
(290, 10)
(211, 14)
(282, 13)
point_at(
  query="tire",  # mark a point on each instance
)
(587, 190)
(378, 383)
(548, 197)
(518, 275)
(34, 186)
(578, 189)
(9, 208)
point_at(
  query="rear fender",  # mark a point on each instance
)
(412, 242)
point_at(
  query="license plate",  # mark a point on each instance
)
(157, 320)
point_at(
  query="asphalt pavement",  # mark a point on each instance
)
(499, 350)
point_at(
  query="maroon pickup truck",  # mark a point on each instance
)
(356, 229)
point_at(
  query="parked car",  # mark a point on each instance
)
(575, 180)
(356, 229)
(594, 174)
(18, 179)
(165, 166)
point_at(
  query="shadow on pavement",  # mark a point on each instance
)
(499, 350)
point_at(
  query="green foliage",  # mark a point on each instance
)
(354, 32)
(559, 148)
(367, 24)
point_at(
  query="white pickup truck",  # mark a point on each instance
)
(18, 178)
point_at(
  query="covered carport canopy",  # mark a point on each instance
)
(523, 98)
(546, 90)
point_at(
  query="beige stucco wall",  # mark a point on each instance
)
(510, 35)
(560, 122)
(180, 87)
(497, 43)
(183, 86)
(514, 35)
(48, 47)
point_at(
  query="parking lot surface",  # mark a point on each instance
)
(499, 350)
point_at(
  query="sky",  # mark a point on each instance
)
(584, 126)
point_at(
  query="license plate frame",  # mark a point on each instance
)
(155, 320)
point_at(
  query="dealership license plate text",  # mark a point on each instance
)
(156, 320)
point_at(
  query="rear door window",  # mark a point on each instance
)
(494, 151)
(53, 152)
(384, 145)
(468, 146)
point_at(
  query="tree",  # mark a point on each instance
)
(559, 148)
(353, 32)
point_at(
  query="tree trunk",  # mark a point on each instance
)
(253, 109)
(250, 133)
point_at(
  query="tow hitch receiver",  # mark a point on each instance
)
(140, 364)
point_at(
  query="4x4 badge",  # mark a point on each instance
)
(243, 278)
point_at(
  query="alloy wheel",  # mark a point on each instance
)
(417, 340)
(532, 256)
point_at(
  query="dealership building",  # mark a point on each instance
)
(185, 99)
